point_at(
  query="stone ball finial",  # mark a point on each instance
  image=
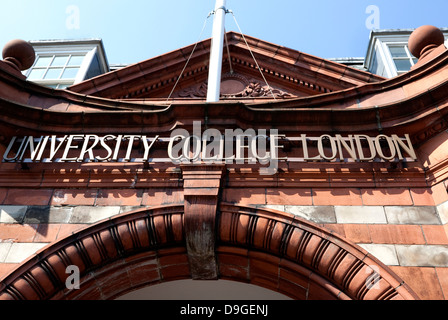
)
(424, 39)
(19, 53)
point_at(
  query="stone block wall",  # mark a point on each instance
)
(405, 228)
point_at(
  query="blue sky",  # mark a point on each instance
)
(135, 30)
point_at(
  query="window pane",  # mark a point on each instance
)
(403, 65)
(70, 73)
(43, 61)
(53, 73)
(374, 67)
(75, 60)
(94, 69)
(36, 74)
(59, 61)
(398, 52)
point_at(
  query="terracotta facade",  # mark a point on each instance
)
(335, 228)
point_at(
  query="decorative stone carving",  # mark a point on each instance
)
(234, 85)
(424, 39)
(198, 91)
(256, 89)
(18, 55)
(425, 43)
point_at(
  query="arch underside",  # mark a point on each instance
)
(264, 247)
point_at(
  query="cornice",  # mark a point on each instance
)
(414, 102)
(290, 175)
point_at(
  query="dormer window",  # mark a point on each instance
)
(56, 71)
(388, 54)
(61, 64)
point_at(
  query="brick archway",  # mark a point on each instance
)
(264, 247)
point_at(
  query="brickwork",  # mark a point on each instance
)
(401, 227)
(406, 232)
(251, 260)
(314, 229)
(404, 227)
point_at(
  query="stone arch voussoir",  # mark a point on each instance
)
(301, 255)
(268, 248)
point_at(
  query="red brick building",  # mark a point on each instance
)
(356, 207)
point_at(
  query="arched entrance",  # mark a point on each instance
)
(271, 249)
(216, 290)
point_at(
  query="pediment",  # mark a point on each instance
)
(276, 72)
(237, 86)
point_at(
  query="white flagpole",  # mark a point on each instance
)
(215, 67)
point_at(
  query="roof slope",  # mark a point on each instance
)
(289, 74)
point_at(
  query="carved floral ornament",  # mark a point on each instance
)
(234, 85)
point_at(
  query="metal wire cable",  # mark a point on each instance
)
(228, 52)
(191, 54)
(253, 57)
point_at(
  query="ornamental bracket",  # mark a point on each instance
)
(202, 185)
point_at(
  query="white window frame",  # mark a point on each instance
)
(383, 54)
(82, 70)
(61, 49)
(381, 41)
(391, 59)
(49, 82)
